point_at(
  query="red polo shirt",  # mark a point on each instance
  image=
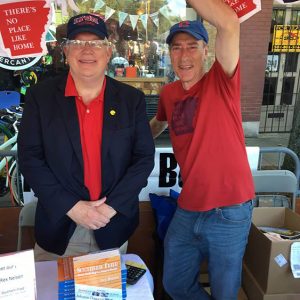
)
(90, 122)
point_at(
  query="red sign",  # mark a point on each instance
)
(23, 27)
(244, 8)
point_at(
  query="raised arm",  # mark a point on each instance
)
(220, 15)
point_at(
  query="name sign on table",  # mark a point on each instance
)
(17, 276)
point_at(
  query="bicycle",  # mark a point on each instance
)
(9, 119)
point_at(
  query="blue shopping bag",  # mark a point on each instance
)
(164, 208)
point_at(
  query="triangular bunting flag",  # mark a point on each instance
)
(50, 36)
(144, 19)
(133, 20)
(155, 19)
(165, 11)
(122, 17)
(98, 5)
(108, 12)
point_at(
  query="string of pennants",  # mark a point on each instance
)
(165, 10)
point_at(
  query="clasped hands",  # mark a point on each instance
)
(91, 214)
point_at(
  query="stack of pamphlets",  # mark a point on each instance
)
(66, 287)
(283, 232)
(99, 276)
(124, 279)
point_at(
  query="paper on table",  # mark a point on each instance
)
(143, 289)
(295, 259)
(140, 290)
(17, 276)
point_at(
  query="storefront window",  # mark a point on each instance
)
(137, 30)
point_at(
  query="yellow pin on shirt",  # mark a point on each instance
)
(112, 112)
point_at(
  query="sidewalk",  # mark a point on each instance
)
(269, 140)
(270, 160)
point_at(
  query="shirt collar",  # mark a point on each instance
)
(71, 90)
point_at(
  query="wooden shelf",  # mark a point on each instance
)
(150, 86)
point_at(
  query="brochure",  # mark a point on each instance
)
(98, 276)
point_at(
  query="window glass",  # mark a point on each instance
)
(137, 30)
(291, 60)
(295, 18)
(287, 90)
(269, 91)
(278, 17)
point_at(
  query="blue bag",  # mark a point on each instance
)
(164, 208)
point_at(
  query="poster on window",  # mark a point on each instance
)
(272, 63)
(244, 8)
(23, 28)
(286, 38)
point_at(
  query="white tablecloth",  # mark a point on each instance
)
(47, 288)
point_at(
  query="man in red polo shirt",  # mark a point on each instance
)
(85, 148)
(203, 112)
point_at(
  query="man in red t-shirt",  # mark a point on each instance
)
(203, 113)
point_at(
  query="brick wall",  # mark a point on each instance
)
(255, 36)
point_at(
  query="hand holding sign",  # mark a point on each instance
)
(23, 27)
(244, 8)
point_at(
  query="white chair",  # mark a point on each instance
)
(276, 181)
(26, 218)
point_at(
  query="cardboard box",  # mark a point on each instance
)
(261, 252)
(254, 291)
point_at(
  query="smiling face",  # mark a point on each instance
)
(87, 62)
(188, 56)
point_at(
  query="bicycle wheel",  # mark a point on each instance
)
(16, 184)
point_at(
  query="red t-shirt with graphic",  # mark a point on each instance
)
(205, 126)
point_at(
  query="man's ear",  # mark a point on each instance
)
(205, 50)
(109, 53)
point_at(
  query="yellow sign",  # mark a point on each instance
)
(286, 38)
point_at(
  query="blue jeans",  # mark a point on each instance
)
(218, 236)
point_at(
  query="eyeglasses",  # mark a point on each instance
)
(176, 49)
(79, 44)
